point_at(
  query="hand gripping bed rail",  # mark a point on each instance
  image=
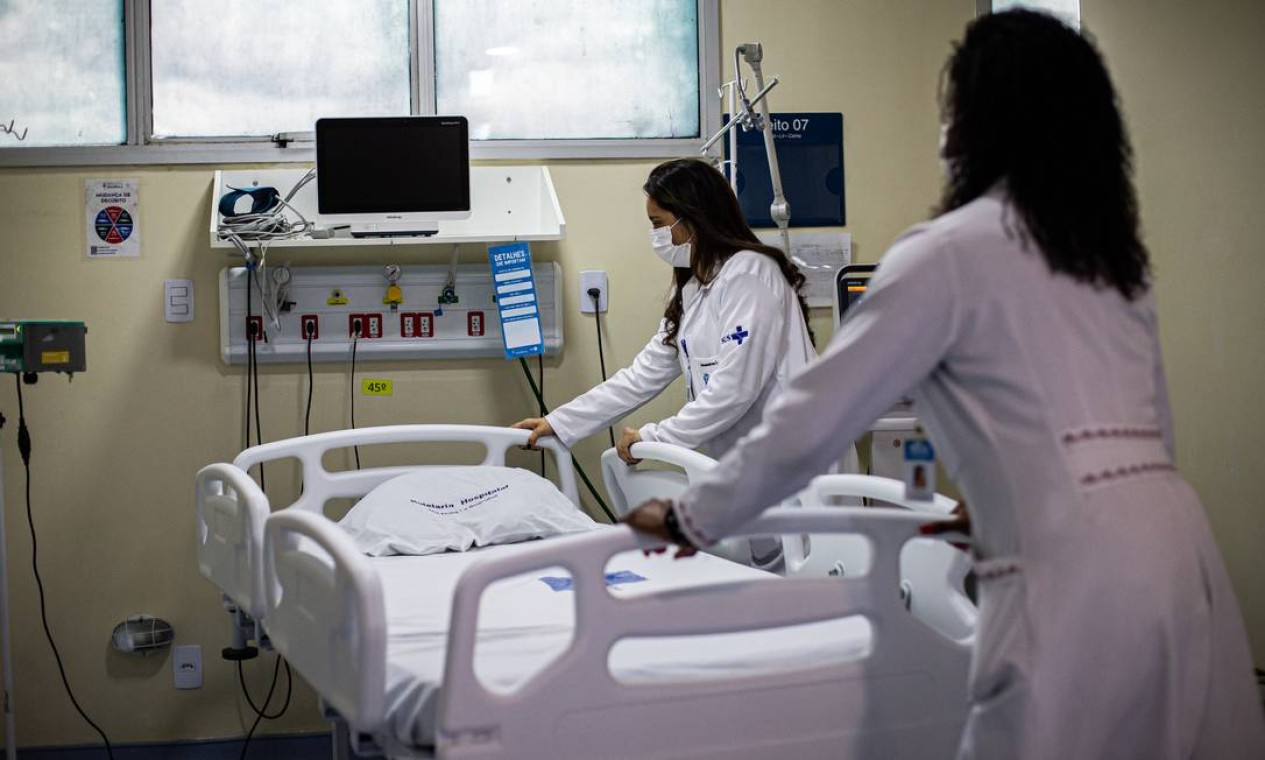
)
(576, 709)
(326, 614)
(232, 508)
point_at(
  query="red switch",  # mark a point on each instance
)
(474, 324)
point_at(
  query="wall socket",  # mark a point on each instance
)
(186, 666)
(593, 278)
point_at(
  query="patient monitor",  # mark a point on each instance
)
(392, 176)
(886, 434)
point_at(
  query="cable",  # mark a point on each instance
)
(545, 410)
(355, 339)
(261, 714)
(596, 295)
(24, 447)
(252, 376)
(307, 416)
(540, 364)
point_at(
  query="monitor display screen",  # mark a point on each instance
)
(385, 165)
(851, 282)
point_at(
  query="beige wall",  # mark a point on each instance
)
(116, 450)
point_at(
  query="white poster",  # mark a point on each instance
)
(818, 255)
(113, 222)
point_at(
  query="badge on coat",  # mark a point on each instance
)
(920, 469)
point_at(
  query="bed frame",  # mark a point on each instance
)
(321, 602)
(232, 509)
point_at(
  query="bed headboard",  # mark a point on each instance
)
(320, 485)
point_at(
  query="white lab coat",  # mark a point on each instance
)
(741, 336)
(1108, 627)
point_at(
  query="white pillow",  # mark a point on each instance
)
(438, 509)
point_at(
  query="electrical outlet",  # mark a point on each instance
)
(590, 279)
(186, 666)
(310, 326)
(255, 329)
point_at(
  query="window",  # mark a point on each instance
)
(182, 81)
(62, 73)
(1067, 10)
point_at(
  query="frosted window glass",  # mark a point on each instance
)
(61, 73)
(244, 67)
(1067, 10)
(568, 69)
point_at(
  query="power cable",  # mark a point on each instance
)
(24, 447)
(596, 295)
(545, 410)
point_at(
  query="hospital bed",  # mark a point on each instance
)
(472, 655)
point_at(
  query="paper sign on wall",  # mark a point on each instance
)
(113, 221)
(516, 299)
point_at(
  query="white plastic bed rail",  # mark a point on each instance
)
(231, 508)
(905, 699)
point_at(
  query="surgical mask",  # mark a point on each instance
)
(672, 254)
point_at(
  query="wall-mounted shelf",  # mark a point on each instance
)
(507, 204)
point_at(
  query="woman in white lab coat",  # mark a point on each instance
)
(735, 325)
(1022, 321)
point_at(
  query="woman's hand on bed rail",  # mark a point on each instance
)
(539, 427)
(627, 438)
(652, 518)
(959, 522)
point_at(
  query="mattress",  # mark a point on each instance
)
(526, 621)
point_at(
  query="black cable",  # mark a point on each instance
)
(252, 371)
(355, 339)
(276, 672)
(307, 416)
(596, 295)
(261, 714)
(540, 363)
(576, 465)
(24, 447)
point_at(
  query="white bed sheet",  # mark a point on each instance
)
(525, 623)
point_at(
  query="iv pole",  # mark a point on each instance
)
(753, 53)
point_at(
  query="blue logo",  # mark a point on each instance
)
(737, 336)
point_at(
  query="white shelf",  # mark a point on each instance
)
(507, 204)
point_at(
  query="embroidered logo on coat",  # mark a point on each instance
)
(738, 336)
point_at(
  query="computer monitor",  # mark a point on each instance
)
(392, 175)
(851, 282)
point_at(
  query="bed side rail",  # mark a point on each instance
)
(231, 510)
(326, 615)
(321, 485)
(580, 679)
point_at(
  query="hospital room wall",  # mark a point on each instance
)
(1189, 76)
(116, 450)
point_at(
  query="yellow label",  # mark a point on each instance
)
(375, 387)
(55, 357)
(336, 298)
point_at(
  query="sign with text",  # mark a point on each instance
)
(516, 301)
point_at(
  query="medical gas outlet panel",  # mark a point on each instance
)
(410, 313)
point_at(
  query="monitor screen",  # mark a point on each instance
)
(388, 165)
(851, 282)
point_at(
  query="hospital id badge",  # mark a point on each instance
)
(920, 469)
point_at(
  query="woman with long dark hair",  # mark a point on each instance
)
(1022, 321)
(735, 325)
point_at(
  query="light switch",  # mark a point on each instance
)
(178, 300)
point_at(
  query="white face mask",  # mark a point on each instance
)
(672, 254)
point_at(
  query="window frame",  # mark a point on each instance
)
(141, 149)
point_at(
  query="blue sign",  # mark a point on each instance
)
(516, 301)
(810, 160)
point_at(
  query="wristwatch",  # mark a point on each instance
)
(672, 526)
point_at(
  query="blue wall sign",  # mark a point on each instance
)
(810, 158)
(516, 301)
